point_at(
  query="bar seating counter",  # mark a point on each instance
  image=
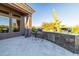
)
(66, 40)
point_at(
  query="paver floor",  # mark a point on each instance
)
(20, 46)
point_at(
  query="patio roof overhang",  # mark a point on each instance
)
(21, 7)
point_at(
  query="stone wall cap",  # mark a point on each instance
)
(62, 33)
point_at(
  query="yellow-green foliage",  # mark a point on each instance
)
(75, 29)
(33, 29)
(48, 26)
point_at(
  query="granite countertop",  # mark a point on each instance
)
(62, 33)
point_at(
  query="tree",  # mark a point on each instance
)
(48, 26)
(33, 29)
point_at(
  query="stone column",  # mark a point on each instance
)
(22, 27)
(26, 22)
(10, 22)
(29, 21)
(10, 25)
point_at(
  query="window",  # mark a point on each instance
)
(15, 25)
(4, 24)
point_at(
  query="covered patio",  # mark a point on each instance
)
(14, 18)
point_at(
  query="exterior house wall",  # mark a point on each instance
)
(10, 13)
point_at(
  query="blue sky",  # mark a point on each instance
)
(67, 13)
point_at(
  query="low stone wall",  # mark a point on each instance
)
(66, 40)
(9, 35)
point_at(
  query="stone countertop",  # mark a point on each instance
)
(62, 33)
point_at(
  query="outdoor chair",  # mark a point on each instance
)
(34, 34)
(37, 34)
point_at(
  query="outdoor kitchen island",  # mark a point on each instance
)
(67, 40)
